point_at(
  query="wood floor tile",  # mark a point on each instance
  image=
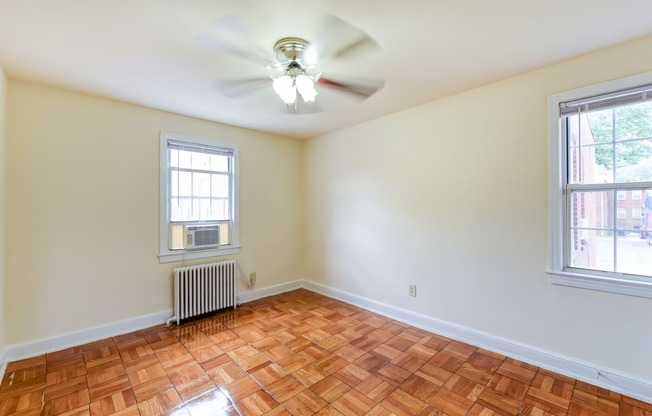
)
(375, 388)
(419, 387)
(464, 387)
(98, 378)
(144, 369)
(627, 409)
(285, 388)
(392, 374)
(211, 403)
(352, 375)
(66, 373)
(113, 404)
(451, 403)
(227, 374)
(109, 388)
(434, 374)
(293, 362)
(160, 404)
(447, 360)
(330, 388)
(152, 388)
(594, 402)
(206, 353)
(29, 402)
(241, 388)
(68, 402)
(296, 353)
(304, 404)
(403, 404)
(174, 357)
(64, 388)
(309, 375)
(191, 381)
(353, 403)
(524, 374)
(256, 404)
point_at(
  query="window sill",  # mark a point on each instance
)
(601, 283)
(198, 254)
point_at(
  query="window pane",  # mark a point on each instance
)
(591, 164)
(592, 210)
(180, 183)
(184, 159)
(180, 209)
(634, 121)
(634, 161)
(601, 125)
(220, 186)
(594, 251)
(201, 184)
(219, 163)
(202, 208)
(219, 209)
(200, 161)
(174, 156)
(634, 255)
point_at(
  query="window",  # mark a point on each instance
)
(601, 150)
(198, 198)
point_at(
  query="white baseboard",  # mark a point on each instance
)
(255, 294)
(581, 370)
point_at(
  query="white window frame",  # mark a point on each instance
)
(557, 271)
(637, 213)
(621, 195)
(637, 195)
(165, 254)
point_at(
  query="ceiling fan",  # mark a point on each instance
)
(293, 69)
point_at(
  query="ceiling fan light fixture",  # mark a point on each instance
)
(285, 88)
(306, 88)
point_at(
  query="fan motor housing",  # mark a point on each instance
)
(290, 49)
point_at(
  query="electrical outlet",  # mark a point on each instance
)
(412, 290)
(252, 278)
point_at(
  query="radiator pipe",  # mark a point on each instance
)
(168, 323)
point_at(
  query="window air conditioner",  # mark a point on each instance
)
(200, 236)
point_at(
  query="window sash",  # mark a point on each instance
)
(226, 190)
(172, 170)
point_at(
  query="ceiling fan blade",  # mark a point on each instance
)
(237, 88)
(361, 88)
(340, 39)
(230, 35)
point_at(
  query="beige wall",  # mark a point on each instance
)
(3, 199)
(83, 209)
(452, 196)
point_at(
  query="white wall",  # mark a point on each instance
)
(3, 203)
(83, 209)
(452, 196)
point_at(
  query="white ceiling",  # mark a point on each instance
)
(145, 51)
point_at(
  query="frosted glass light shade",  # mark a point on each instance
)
(284, 87)
(306, 88)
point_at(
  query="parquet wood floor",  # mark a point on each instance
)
(297, 354)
